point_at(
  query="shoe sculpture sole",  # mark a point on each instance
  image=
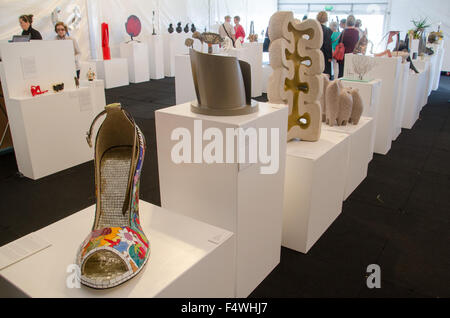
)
(117, 249)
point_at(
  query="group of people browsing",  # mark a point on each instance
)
(61, 31)
(332, 36)
(236, 33)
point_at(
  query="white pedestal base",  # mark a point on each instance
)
(173, 46)
(370, 94)
(233, 196)
(387, 70)
(186, 259)
(360, 151)
(114, 72)
(314, 188)
(401, 100)
(266, 72)
(184, 83)
(156, 56)
(137, 56)
(414, 99)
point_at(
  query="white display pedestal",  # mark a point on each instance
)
(401, 100)
(184, 83)
(156, 56)
(424, 66)
(188, 259)
(266, 72)
(387, 70)
(47, 130)
(416, 83)
(370, 95)
(98, 94)
(252, 54)
(233, 196)
(440, 51)
(314, 188)
(114, 72)
(360, 151)
(137, 55)
(256, 60)
(173, 46)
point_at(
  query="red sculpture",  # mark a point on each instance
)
(36, 90)
(105, 42)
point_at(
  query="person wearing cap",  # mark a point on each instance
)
(227, 30)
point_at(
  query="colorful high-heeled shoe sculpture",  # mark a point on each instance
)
(117, 249)
(36, 90)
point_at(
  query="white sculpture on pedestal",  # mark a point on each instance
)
(297, 64)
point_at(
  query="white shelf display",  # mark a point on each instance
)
(136, 54)
(370, 95)
(184, 83)
(156, 56)
(387, 70)
(173, 46)
(360, 151)
(414, 98)
(188, 259)
(244, 197)
(314, 188)
(48, 130)
(114, 72)
(401, 100)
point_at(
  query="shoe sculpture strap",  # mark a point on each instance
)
(133, 163)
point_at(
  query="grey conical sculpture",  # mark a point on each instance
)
(222, 85)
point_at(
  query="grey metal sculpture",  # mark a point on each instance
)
(222, 85)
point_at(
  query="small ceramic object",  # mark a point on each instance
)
(77, 82)
(186, 28)
(90, 75)
(58, 87)
(193, 28)
(179, 28)
(36, 90)
(170, 29)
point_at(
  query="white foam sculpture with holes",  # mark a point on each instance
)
(297, 64)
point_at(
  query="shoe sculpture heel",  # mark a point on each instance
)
(117, 249)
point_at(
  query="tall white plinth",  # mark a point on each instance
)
(370, 95)
(401, 100)
(360, 151)
(256, 60)
(173, 46)
(414, 99)
(156, 56)
(98, 94)
(234, 196)
(114, 72)
(136, 54)
(188, 259)
(184, 83)
(424, 65)
(266, 72)
(440, 51)
(314, 188)
(387, 70)
(251, 54)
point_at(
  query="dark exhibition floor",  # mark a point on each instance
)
(398, 218)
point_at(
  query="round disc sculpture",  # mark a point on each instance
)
(297, 64)
(133, 26)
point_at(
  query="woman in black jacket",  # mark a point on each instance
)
(25, 23)
(327, 51)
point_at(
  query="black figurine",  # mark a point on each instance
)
(193, 28)
(186, 28)
(170, 29)
(179, 28)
